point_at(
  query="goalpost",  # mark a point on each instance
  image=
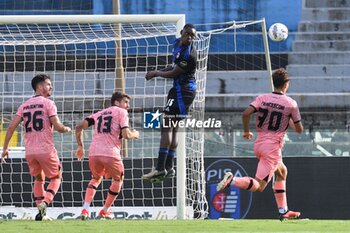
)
(78, 52)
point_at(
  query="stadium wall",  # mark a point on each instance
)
(311, 188)
(198, 12)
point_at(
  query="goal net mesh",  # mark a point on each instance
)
(82, 62)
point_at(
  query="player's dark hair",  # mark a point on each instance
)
(279, 77)
(39, 79)
(189, 25)
(118, 96)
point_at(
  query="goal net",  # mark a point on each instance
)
(81, 56)
(87, 58)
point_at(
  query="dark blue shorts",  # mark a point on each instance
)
(179, 102)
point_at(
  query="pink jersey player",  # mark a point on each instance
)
(110, 125)
(38, 130)
(275, 112)
(39, 116)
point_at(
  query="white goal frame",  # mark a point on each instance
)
(179, 19)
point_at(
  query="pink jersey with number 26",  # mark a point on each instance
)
(273, 113)
(38, 131)
(108, 124)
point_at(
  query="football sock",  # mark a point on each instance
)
(281, 196)
(113, 192)
(52, 189)
(169, 163)
(87, 206)
(246, 182)
(91, 190)
(162, 156)
(39, 191)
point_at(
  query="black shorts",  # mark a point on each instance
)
(179, 102)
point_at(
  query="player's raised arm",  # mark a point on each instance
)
(296, 126)
(295, 119)
(79, 131)
(130, 134)
(182, 64)
(245, 119)
(165, 73)
(11, 129)
(58, 126)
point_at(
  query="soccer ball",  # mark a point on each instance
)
(278, 32)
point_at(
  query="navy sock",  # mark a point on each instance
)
(169, 163)
(162, 156)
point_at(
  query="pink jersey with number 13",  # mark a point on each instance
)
(107, 131)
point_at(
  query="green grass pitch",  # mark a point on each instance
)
(175, 226)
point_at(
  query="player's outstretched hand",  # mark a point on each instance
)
(80, 153)
(4, 154)
(248, 135)
(136, 134)
(151, 74)
(67, 129)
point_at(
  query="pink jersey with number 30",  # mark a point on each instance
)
(38, 131)
(273, 113)
(108, 124)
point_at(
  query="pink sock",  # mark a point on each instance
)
(39, 191)
(52, 189)
(113, 192)
(247, 183)
(91, 190)
(280, 194)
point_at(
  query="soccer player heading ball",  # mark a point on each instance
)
(110, 125)
(180, 97)
(39, 115)
(274, 113)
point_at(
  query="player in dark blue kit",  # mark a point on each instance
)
(180, 97)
